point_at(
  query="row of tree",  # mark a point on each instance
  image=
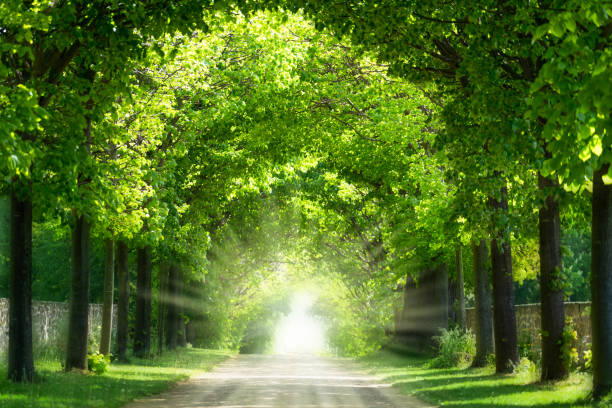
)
(442, 125)
(122, 127)
(523, 94)
(153, 147)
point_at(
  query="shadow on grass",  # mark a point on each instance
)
(474, 387)
(121, 384)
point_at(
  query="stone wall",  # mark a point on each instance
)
(50, 322)
(528, 324)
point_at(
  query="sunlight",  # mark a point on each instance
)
(300, 332)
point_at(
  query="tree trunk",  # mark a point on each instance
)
(460, 289)
(78, 325)
(123, 300)
(171, 310)
(404, 323)
(601, 285)
(142, 330)
(551, 291)
(504, 317)
(20, 355)
(107, 310)
(453, 301)
(441, 296)
(483, 308)
(180, 318)
(161, 315)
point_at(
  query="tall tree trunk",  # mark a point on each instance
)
(483, 308)
(441, 296)
(20, 355)
(504, 317)
(123, 300)
(601, 284)
(78, 325)
(161, 314)
(460, 289)
(181, 306)
(142, 330)
(107, 309)
(404, 324)
(171, 310)
(551, 291)
(453, 301)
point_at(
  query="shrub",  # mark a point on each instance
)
(525, 367)
(569, 355)
(588, 360)
(98, 363)
(454, 348)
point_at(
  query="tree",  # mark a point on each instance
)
(460, 307)
(482, 296)
(123, 299)
(571, 99)
(142, 330)
(35, 57)
(21, 360)
(107, 311)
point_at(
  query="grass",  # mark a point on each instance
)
(478, 388)
(120, 384)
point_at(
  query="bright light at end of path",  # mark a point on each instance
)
(299, 331)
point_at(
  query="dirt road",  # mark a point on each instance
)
(268, 381)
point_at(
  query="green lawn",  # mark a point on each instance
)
(122, 383)
(477, 387)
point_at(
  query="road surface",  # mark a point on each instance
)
(269, 381)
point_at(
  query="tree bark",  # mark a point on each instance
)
(504, 317)
(441, 296)
(107, 309)
(171, 310)
(78, 325)
(460, 290)
(551, 291)
(142, 330)
(180, 318)
(123, 300)
(161, 314)
(483, 308)
(601, 284)
(20, 353)
(453, 301)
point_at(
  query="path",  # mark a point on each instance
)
(268, 381)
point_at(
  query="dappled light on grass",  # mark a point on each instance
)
(457, 387)
(122, 382)
(300, 332)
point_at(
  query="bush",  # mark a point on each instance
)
(454, 348)
(588, 360)
(526, 368)
(569, 355)
(98, 363)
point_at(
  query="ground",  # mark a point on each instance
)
(462, 387)
(267, 381)
(122, 383)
